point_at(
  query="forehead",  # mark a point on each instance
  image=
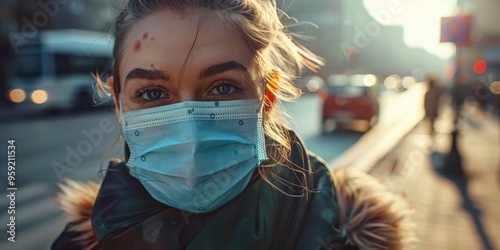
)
(168, 41)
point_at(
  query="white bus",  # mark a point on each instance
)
(53, 70)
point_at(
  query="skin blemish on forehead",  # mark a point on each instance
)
(145, 35)
(137, 46)
(153, 38)
(152, 66)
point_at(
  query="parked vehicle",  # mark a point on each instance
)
(54, 70)
(349, 98)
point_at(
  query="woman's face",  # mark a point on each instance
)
(160, 64)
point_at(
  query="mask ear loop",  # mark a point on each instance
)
(123, 123)
(268, 99)
(122, 119)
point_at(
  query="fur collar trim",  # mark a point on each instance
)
(370, 216)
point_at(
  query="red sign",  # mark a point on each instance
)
(456, 29)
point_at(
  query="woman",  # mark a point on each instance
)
(209, 163)
(431, 101)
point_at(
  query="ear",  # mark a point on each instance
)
(110, 82)
(271, 87)
(111, 85)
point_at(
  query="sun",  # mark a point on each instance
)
(421, 21)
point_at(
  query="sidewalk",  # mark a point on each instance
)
(450, 212)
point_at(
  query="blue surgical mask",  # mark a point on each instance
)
(195, 156)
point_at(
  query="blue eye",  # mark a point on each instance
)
(150, 94)
(224, 89)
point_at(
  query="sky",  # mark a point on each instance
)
(420, 19)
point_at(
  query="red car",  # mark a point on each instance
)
(349, 98)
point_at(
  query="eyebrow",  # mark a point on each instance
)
(149, 74)
(212, 70)
(222, 67)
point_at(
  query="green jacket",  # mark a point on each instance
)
(286, 216)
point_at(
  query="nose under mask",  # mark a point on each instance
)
(195, 156)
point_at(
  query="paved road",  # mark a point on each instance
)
(49, 149)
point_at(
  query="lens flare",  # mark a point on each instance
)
(369, 80)
(16, 95)
(39, 96)
(495, 87)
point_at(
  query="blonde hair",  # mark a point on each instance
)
(278, 56)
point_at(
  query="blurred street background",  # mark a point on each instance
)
(364, 109)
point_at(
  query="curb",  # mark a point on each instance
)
(382, 138)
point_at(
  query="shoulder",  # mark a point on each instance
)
(347, 205)
(364, 206)
(78, 201)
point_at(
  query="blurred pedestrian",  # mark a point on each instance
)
(481, 94)
(431, 101)
(459, 93)
(208, 163)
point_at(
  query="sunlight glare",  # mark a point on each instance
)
(421, 21)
